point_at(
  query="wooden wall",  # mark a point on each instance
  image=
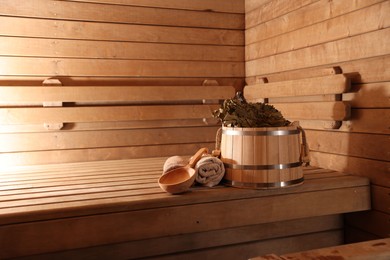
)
(115, 42)
(121, 39)
(295, 39)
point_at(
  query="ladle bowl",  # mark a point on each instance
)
(179, 180)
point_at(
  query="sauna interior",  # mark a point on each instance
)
(213, 47)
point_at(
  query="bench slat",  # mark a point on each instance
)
(98, 185)
(129, 227)
(333, 84)
(114, 93)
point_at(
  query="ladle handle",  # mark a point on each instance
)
(194, 159)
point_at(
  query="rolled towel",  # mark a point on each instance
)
(209, 171)
(173, 163)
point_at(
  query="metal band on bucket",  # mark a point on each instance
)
(260, 133)
(262, 167)
(262, 185)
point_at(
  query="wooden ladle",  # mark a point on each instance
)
(179, 180)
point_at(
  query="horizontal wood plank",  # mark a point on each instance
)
(150, 226)
(18, 66)
(374, 95)
(99, 154)
(365, 121)
(200, 241)
(84, 11)
(41, 47)
(89, 174)
(367, 70)
(314, 111)
(59, 200)
(94, 139)
(248, 250)
(334, 84)
(120, 81)
(103, 113)
(351, 144)
(232, 6)
(113, 93)
(348, 49)
(315, 14)
(253, 4)
(376, 170)
(59, 29)
(258, 12)
(31, 128)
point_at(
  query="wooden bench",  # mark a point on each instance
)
(114, 208)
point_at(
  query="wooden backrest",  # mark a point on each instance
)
(315, 102)
(54, 123)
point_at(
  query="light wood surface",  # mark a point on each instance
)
(76, 200)
(68, 36)
(305, 39)
(96, 94)
(131, 14)
(233, 6)
(332, 84)
(106, 122)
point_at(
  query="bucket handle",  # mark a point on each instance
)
(218, 137)
(304, 155)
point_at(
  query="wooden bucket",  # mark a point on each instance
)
(261, 158)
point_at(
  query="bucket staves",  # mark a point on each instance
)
(261, 158)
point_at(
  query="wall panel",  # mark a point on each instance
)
(304, 41)
(115, 43)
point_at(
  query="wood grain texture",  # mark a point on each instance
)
(302, 44)
(376, 249)
(103, 113)
(315, 110)
(65, 29)
(100, 154)
(77, 198)
(377, 171)
(232, 6)
(334, 84)
(63, 48)
(352, 144)
(258, 12)
(135, 94)
(105, 138)
(131, 14)
(352, 48)
(310, 15)
(258, 234)
(367, 70)
(17, 66)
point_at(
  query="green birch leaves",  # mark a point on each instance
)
(238, 113)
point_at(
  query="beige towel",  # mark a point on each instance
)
(173, 163)
(209, 170)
